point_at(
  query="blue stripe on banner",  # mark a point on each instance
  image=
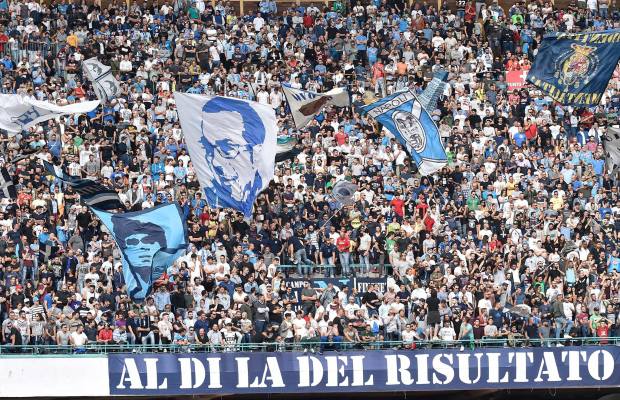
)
(367, 371)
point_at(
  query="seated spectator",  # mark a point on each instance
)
(119, 336)
(105, 335)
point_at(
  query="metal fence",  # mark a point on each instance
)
(330, 269)
(312, 346)
(27, 51)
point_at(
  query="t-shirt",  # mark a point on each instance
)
(79, 339)
(447, 333)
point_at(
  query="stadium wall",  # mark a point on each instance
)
(182, 374)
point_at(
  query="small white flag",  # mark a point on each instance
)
(105, 85)
(612, 147)
(344, 192)
(306, 105)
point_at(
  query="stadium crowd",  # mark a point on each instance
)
(526, 214)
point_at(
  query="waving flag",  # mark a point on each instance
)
(92, 193)
(434, 89)
(306, 105)
(7, 187)
(287, 148)
(575, 68)
(18, 113)
(611, 144)
(403, 115)
(104, 83)
(149, 241)
(232, 144)
(344, 192)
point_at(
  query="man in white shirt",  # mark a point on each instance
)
(446, 333)
(351, 308)
(79, 339)
(259, 22)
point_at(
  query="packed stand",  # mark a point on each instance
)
(526, 213)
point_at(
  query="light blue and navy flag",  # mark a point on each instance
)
(92, 193)
(232, 144)
(403, 115)
(575, 68)
(287, 148)
(149, 240)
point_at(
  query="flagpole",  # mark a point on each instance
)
(330, 218)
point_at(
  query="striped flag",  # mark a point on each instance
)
(92, 193)
(7, 187)
(287, 148)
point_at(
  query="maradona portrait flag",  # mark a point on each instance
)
(403, 115)
(575, 68)
(18, 113)
(306, 105)
(232, 144)
(149, 241)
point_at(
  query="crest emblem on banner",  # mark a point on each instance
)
(410, 128)
(575, 67)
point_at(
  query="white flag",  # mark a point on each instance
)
(306, 105)
(611, 143)
(232, 144)
(106, 87)
(94, 69)
(19, 112)
(105, 84)
(344, 192)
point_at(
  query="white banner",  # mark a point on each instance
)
(232, 144)
(19, 112)
(54, 376)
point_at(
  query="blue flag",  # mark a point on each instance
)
(403, 115)
(430, 96)
(150, 241)
(575, 68)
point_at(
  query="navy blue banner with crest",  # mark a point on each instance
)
(575, 68)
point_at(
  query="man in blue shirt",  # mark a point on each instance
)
(519, 138)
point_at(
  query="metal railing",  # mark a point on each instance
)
(330, 269)
(314, 346)
(27, 51)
